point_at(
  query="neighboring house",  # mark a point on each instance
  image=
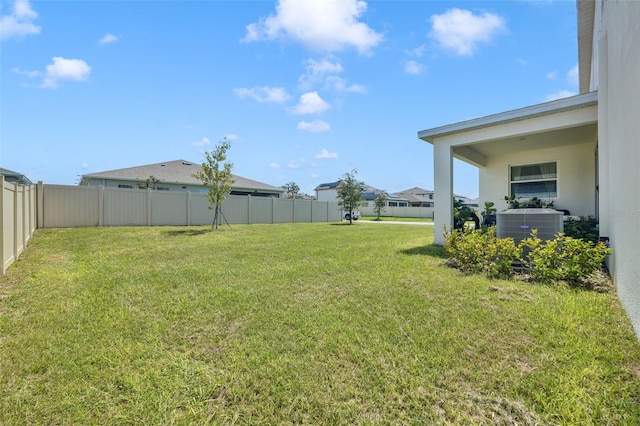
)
(420, 197)
(369, 195)
(417, 197)
(14, 177)
(329, 192)
(173, 176)
(580, 152)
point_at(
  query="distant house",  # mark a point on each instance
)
(417, 197)
(370, 194)
(329, 192)
(173, 176)
(420, 197)
(581, 152)
(14, 177)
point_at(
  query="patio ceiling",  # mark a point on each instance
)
(567, 121)
(527, 142)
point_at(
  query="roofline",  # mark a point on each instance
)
(121, 179)
(560, 105)
(586, 21)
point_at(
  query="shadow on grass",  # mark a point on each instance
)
(428, 250)
(186, 232)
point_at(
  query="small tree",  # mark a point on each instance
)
(380, 203)
(349, 193)
(291, 190)
(216, 176)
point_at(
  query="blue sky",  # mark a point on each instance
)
(305, 90)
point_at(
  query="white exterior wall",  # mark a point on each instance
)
(327, 195)
(576, 177)
(619, 133)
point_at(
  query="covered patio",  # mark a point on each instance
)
(547, 150)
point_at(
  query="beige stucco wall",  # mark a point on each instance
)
(576, 176)
(619, 144)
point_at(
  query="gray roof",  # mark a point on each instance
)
(330, 185)
(416, 195)
(15, 177)
(177, 171)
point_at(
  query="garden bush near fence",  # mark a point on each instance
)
(565, 258)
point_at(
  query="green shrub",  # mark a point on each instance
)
(586, 228)
(565, 258)
(481, 252)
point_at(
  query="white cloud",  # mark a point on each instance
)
(316, 126)
(327, 25)
(30, 74)
(263, 94)
(559, 95)
(461, 31)
(294, 165)
(108, 38)
(415, 68)
(65, 69)
(326, 155)
(552, 75)
(310, 103)
(20, 22)
(324, 71)
(274, 165)
(84, 166)
(339, 84)
(317, 72)
(202, 142)
(314, 176)
(573, 76)
(416, 52)
(231, 137)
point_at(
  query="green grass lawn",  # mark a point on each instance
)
(397, 219)
(298, 324)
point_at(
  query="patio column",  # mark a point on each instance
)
(443, 190)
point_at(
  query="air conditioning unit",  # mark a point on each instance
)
(518, 223)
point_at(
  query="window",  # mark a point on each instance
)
(393, 204)
(402, 204)
(125, 186)
(534, 180)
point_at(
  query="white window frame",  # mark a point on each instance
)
(541, 196)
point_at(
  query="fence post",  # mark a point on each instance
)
(15, 222)
(249, 208)
(2, 269)
(294, 210)
(100, 205)
(188, 208)
(273, 210)
(40, 204)
(25, 218)
(148, 206)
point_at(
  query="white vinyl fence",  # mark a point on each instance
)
(17, 220)
(77, 206)
(426, 212)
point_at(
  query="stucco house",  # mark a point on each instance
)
(174, 175)
(580, 152)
